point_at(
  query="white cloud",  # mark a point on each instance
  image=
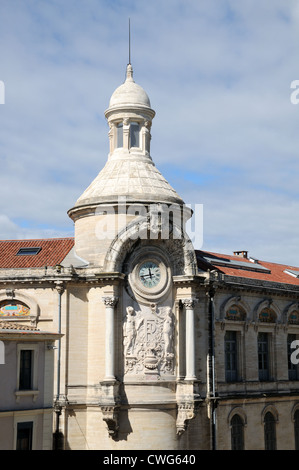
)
(218, 75)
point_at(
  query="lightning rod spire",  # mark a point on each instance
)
(129, 42)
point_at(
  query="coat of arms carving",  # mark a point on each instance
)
(148, 341)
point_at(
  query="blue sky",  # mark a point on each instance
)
(218, 74)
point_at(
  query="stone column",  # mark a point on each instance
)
(110, 303)
(126, 134)
(190, 339)
(146, 136)
(112, 136)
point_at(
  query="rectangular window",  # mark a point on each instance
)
(263, 356)
(134, 134)
(231, 359)
(24, 435)
(26, 369)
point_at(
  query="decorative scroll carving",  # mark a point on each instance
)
(148, 341)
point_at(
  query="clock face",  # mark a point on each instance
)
(149, 274)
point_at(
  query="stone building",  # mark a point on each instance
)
(164, 347)
(26, 378)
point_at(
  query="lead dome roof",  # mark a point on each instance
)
(129, 93)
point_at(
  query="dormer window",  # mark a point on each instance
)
(119, 135)
(134, 134)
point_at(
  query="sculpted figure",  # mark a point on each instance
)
(129, 332)
(168, 331)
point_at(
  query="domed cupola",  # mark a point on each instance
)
(129, 171)
(129, 176)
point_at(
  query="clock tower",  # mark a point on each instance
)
(130, 230)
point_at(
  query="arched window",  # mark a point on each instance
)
(296, 429)
(267, 315)
(119, 135)
(294, 317)
(270, 431)
(237, 433)
(234, 312)
(134, 134)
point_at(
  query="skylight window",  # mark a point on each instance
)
(246, 265)
(292, 272)
(29, 251)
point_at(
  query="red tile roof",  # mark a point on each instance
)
(10, 330)
(5, 325)
(242, 267)
(53, 251)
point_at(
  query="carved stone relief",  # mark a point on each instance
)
(148, 341)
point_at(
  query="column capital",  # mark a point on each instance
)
(189, 303)
(110, 301)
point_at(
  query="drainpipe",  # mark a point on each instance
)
(57, 404)
(211, 368)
